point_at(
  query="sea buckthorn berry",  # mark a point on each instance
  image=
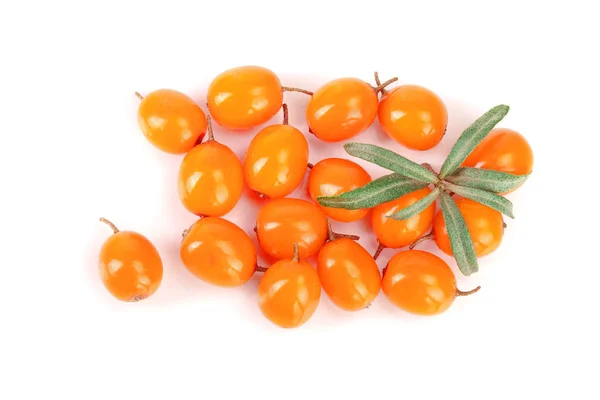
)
(485, 226)
(334, 176)
(420, 283)
(341, 109)
(413, 116)
(503, 150)
(171, 121)
(129, 265)
(282, 222)
(276, 160)
(244, 97)
(210, 178)
(289, 292)
(218, 252)
(349, 275)
(394, 233)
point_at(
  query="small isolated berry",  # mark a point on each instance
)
(129, 265)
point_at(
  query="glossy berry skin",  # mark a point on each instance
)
(349, 275)
(502, 150)
(171, 121)
(485, 226)
(276, 161)
(334, 176)
(283, 222)
(289, 293)
(341, 109)
(130, 266)
(419, 282)
(210, 180)
(219, 252)
(244, 97)
(395, 234)
(413, 116)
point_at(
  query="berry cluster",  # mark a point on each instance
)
(485, 163)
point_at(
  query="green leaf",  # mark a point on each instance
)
(471, 137)
(388, 159)
(416, 207)
(460, 238)
(486, 179)
(378, 191)
(484, 197)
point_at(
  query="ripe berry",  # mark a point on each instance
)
(244, 97)
(283, 222)
(219, 252)
(289, 292)
(334, 176)
(130, 266)
(485, 226)
(276, 160)
(420, 283)
(413, 116)
(341, 109)
(396, 234)
(502, 150)
(171, 121)
(349, 275)
(210, 178)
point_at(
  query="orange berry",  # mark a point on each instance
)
(485, 226)
(502, 150)
(244, 97)
(341, 109)
(283, 222)
(395, 234)
(276, 160)
(171, 121)
(348, 274)
(289, 292)
(413, 116)
(219, 252)
(420, 283)
(129, 265)
(211, 180)
(334, 176)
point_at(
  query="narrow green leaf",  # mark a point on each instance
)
(471, 137)
(416, 207)
(460, 238)
(486, 179)
(484, 197)
(388, 159)
(378, 191)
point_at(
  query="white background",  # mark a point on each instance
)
(71, 152)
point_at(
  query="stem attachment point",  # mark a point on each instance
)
(429, 236)
(380, 248)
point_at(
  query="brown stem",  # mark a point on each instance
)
(429, 236)
(429, 168)
(293, 89)
(260, 269)
(334, 235)
(470, 292)
(285, 114)
(504, 224)
(382, 86)
(296, 257)
(380, 248)
(112, 226)
(310, 131)
(209, 130)
(255, 229)
(185, 233)
(139, 96)
(310, 166)
(377, 81)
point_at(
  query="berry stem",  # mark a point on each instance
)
(285, 114)
(470, 292)
(296, 257)
(429, 236)
(381, 87)
(333, 235)
(504, 225)
(209, 130)
(110, 224)
(293, 89)
(260, 269)
(139, 96)
(380, 248)
(310, 166)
